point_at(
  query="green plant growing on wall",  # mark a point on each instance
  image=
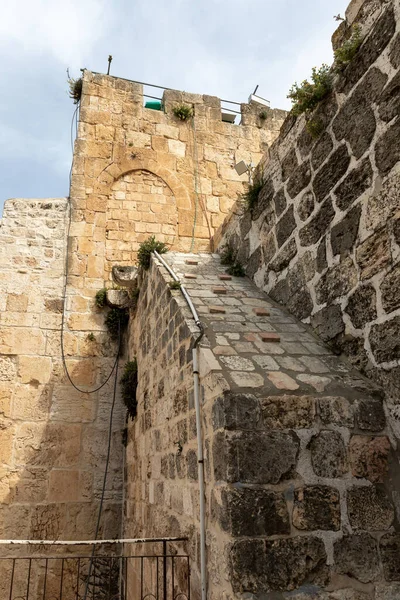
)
(75, 88)
(175, 285)
(251, 196)
(116, 321)
(228, 258)
(100, 298)
(129, 383)
(90, 337)
(315, 127)
(237, 270)
(306, 96)
(348, 49)
(263, 115)
(183, 112)
(146, 248)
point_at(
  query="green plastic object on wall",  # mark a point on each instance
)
(154, 104)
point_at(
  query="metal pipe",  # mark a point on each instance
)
(200, 455)
(200, 470)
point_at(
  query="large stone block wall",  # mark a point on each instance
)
(52, 447)
(140, 172)
(323, 238)
(301, 466)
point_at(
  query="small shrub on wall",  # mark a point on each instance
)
(129, 383)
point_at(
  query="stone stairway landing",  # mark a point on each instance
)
(256, 344)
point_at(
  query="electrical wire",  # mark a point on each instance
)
(114, 368)
(103, 491)
(66, 269)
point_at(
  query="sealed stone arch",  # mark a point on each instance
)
(140, 204)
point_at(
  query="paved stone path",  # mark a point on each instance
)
(257, 343)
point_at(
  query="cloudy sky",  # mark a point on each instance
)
(206, 46)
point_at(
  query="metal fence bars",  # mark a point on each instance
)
(138, 570)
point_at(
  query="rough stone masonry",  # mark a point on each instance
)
(301, 457)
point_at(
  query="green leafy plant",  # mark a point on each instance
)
(146, 248)
(237, 270)
(129, 383)
(348, 49)
(175, 285)
(100, 298)
(263, 115)
(306, 96)
(251, 196)
(183, 112)
(90, 337)
(116, 321)
(228, 258)
(315, 127)
(75, 88)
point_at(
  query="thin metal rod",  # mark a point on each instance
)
(45, 578)
(62, 578)
(29, 579)
(78, 579)
(12, 579)
(160, 87)
(165, 571)
(89, 542)
(154, 97)
(141, 576)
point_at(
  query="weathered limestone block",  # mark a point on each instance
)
(373, 254)
(361, 305)
(336, 411)
(286, 412)
(357, 556)
(285, 226)
(315, 229)
(344, 234)
(316, 507)
(369, 457)
(252, 512)
(321, 150)
(280, 202)
(306, 206)
(369, 508)
(328, 454)
(385, 340)
(299, 179)
(259, 457)
(336, 281)
(389, 548)
(355, 183)
(330, 173)
(390, 290)
(289, 164)
(285, 564)
(387, 152)
(328, 322)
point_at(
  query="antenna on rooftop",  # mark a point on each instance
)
(109, 63)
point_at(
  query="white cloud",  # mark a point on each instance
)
(65, 30)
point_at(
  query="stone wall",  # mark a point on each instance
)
(52, 457)
(323, 238)
(132, 162)
(301, 468)
(134, 174)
